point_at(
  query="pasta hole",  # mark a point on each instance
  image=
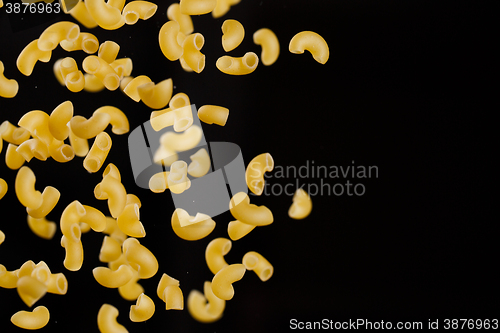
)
(91, 65)
(62, 285)
(92, 165)
(266, 274)
(90, 46)
(111, 81)
(199, 40)
(73, 33)
(226, 248)
(150, 13)
(250, 261)
(68, 152)
(131, 17)
(225, 62)
(250, 60)
(183, 123)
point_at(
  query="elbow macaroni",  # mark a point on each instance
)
(25, 189)
(207, 307)
(50, 197)
(167, 39)
(34, 320)
(113, 279)
(143, 309)
(136, 10)
(233, 34)
(106, 320)
(200, 163)
(238, 66)
(222, 283)
(191, 47)
(301, 206)
(129, 223)
(194, 228)
(98, 153)
(215, 252)
(185, 22)
(29, 56)
(140, 258)
(312, 42)
(41, 227)
(254, 174)
(254, 261)
(197, 7)
(212, 114)
(267, 39)
(156, 96)
(245, 212)
(8, 88)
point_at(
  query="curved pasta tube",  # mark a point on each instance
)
(111, 250)
(131, 290)
(233, 34)
(191, 52)
(129, 223)
(82, 15)
(106, 16)
(245, 212)
(185, 21)
(194, 228)
(238, 66)
(215, 252)
(177, 179)
(74, 252)
(92, 83)
(57, 284)
(26, 269)
(50, 197)
(2, 237)
(197, 7)
(181, 118)
(312, 42)
(34, 320)
(57, 32)
(301, 206)
(123, 67)
(222, 283)
(86, 42)
(167, 39)
(13, 159)
(205, 308)
(140, 258)
(221, 8)
(108, 51)
(254, 261)
(158, 182)
(70, 218)
(136, 10)
(98, 153)
(33, 148)
(113, 279)
(8, 87)
(131, 88)
(112, 171)
(267, 39)
(254, 174)
(173, 298)
(41, 227)
(156, 96)
(79, 145)
(13, 134)
(200, 164)
(41, 272)
(213, 114)
(165, 156)
(37, 123)
(102, 70)
(61, 152)
(133, 199)
(165, 281)
(114, 191)
(30, 289)
(29, 56)
(3, 188)
(59, 119)
(113, 231)
(106, 320)
(183, 141)
(90, 128)
(8, 280)
(57, 72)
(143, 309)
(25, 189)
(94, 218)
(118, 119)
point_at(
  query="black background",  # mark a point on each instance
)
(407, 88)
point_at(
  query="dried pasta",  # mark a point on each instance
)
(13, 159)
(8, 87)
(70, 218)
(167, 39)
(13, 134)
(215, 252)
(59, 119)
(118, 119)
(177, 179)
(158, 182)
(115, 193)
(42, 227)
(267, 39)
(113, 279)
(245, 212)
(131, 88)
(108, 51)
(233, 33)
(136, 10)
(37, 123)
(200, 163)
(102, 70)
(129, 223)
(3, 188)
(57, 32)
(82, 15)
(98, 153)
(312, 42)
(2, 237)
(197, 7)
(8, 279)
(105, 15)
(86, 42)
(29, 56)
(185, 21)
(184, 141)
(156, 96)
(191, 47)
(222, 283)
(194, 228)
(254, 261)
(238, 66)
(33, 148)
(106, 320)
(213, 114)
(50, 197)
(207, 307)
(143, 309)
(94, 218)
(254, 174)
(111, 250)
(34, 320)
(25, 189)
(79, 145)
(140, 258)
(73, 259)
(168, 290)
(301, 206)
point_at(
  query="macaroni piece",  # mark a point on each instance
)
(70, 218)
(13, 134)
(245, 212)
(158, 182)
(197, 7)
(116, 194)
(82, 15)
(140, 258)
(57, 32)
(86, 42)
(41, 227)
(102, 70)
(8, 88)
(25, 189)
(136, 10)
(111, 250)
(74, 251)
(59, 119)
(194, 228)
(50, 197)
(106, 16)
(118, 119)
(254, 261)
(106, 319)
(61, 152)
(232, 34)
(131, 290)
(125, 81)
(133, 199)
(165, 156)
(129, 223)
(312, 42)
(57, 72)
(184, 65)
(270, 45)
(183, 141)
(30, 289)
(131, 88)
(33, 148)
(173, 298)
(143, 309)
(26, 269)
(113, 231)
(238, 66)
(94, 218)
(200, 164)
(2, 237)
(79, 145)
(177, 179)
(28, 57)
(98, 153)
(205, 308)
(222, 283)
(108, 51)
(34, 320)
(3, 188)
(113, 171)
(90, 128)
(181, 118)
(156, 96)
(123, 67)
(113, 279)
(117, 4)
(8, 280)
(92, 83)
(185, 21)
(37, 123)
(165, 281)
(302, 205)
(215, 252)
(41, 272)
(191, 52)
(212, 114)
(57, 284)
(254, 174)
(167, 38)
(13, 159)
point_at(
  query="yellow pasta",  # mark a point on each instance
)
(125, 81)
(89, 128)
(123, 67)
(194, 228)
(34, 320)
(50, 197)
(13, 159)
(94, 218)
(113, 231)
(129, 223)
(13, 134)
(238, 66)
(181, 118)
(70, 218)
(75, 81)
(254, 174)
(102, 70)
(57, 284)
(131, 290)
(111, 250)
(254, 261)
(74, 251)
(213, 114)
(221, 8)
(158, 182)
(41, 227)
(185, 21)
(136, 10)
(86, 42)
(98, 153)
(140, 258)
(29, 56)
(106, 320)
(222, 283)
(3, 188)
(301, 206)
(82, 15)
(184, 141)
(37, 123)
(177, 179)
(131, 88)
(167, 38)
(25, 189)
(26, 269)
(233, 34)
(200, 163)
(312, 42)
(105, 15)
(41, 272)
(215, 252)
(197, 7)
(8, 87)
(191, 52)
(30, 289)
(57, 32)
(113, 171)
(207, 307)
(33, 148)
(267, 39)
(113, 279)
(133, 199)
(115, 193)
(2, 237)
(156, 96)
(108, 51)
(143, 309)
(118, 119)
(92, 83)
(59, 119)
(165, 156)
(8, 279)
(245, 212)
(168, 290)
(79, 145)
